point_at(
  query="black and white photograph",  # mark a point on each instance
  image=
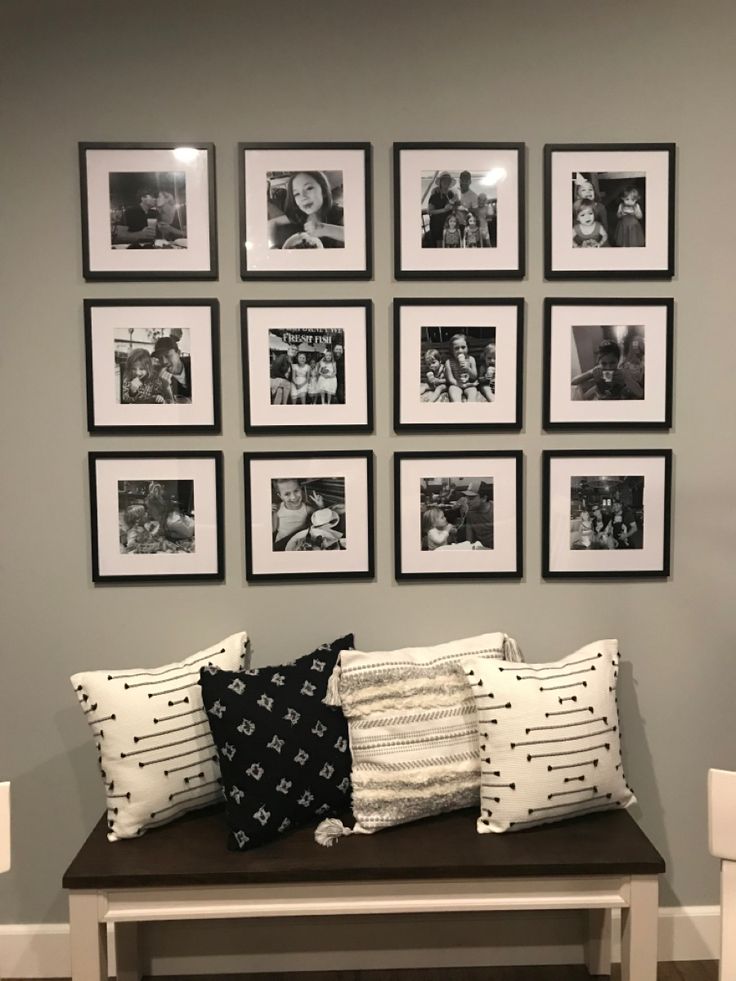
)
(309, 515)
(156, 516)
(458, 364)
(148, 211)
(617, 200)
(465, 199)
(307, 365)
(458, 514)
(608, 363)
(305, 210)
(152, 366)
(606, 514)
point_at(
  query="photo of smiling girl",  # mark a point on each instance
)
(304, 210)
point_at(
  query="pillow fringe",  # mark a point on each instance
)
(329, 831)
(511, 650)
(333, 689)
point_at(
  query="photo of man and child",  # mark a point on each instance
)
(305, 209)
(456, 513)
(458, 364)
(307, 367)
(459, 210)
(606, 512)
(308, 514)
(607, 362)
(148, 210)
(608, 210)
(156, 516)
(153, 367)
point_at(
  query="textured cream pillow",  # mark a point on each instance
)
(549, 738)
(413, 728)
(156, 752)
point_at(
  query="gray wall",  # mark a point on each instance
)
(574, 71)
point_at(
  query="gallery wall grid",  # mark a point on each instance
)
(307, 366)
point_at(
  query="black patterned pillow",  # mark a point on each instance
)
(284, 755)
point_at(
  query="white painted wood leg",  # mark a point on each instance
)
(639, 931)
(598, 941)
(728, 920)
(88, 938)
(126, 952)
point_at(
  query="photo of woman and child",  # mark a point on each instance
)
(153, 367)
(308, 514)
(148, 210)
(305, 209)
(156, 516)
(456, 513)
(455, 215)
(307, 367)
(607, 362)
(606, 512)
(458, 364)
(608, 210)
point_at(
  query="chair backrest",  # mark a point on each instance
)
(722, 814)
(4, 827)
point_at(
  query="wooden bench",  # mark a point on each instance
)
(184, 872)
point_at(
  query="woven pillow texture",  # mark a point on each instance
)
(283, 753)
(154, 744)
(549, 738)
(413, 728)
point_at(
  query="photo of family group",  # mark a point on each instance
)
(607, 362)
(458, 364)
(308, 514)
(458, 210)
(153, 366)
(156, 516)
(608, 210)
(148, 210)
(307, 367)
(305, 209)
(606, 512)
(456, 513)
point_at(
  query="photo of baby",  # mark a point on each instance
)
(607, 362)
(606, 512)
(156, 516)
(459, 209)
(305, 209)
(456, 513)
(308, 514)
(153, 366)
(608, 210)
(458, 364)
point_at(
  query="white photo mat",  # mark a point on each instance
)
(352, 320)
(502, 558)
(651, 557)
(505, 256)
(503, 409)
(103, 257)
(111, 561)
(111, 323)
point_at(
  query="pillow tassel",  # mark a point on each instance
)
(333, 689)
(511, 650)
(328, 831)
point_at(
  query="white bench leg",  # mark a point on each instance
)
(728, 920)
(639, 931)
(126, 952)
(88, 938)
(598, 942)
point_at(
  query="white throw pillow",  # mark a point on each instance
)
(413, 728)
(156, 752)
(549, 738)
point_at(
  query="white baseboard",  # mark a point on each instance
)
(42, 950)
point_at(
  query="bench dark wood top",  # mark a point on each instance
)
(193, 852)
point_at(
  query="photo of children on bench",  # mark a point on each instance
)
(307, 367)
(607, 362)
(458, 364)
(607, 512)
(456, 513)
(458, 210)
(609, 210)
(308, 514)
(156, 516)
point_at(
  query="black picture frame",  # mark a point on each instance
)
(659, 330)
(406, 268)
(512, 421)
(453, 569)
(97, 428)
(256, 559)
(584, 562)
(93, 271)
(363, 269)
(217, 538)
(657, 264)
(366, 409)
